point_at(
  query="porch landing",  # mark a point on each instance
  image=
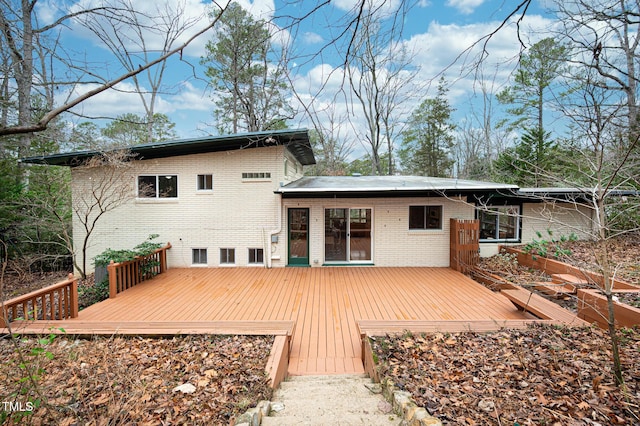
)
(324, 304)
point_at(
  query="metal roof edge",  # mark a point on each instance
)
(283, 137)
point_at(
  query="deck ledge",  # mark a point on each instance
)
(154, 328)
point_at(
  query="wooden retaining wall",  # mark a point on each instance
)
(551, 266)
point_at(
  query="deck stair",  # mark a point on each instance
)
(540, 307)
(329, 400)
(569, 280)
(561, 285)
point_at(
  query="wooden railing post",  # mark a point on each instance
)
(74, 296)
(113, 280)
(163, 258)
(5, 316)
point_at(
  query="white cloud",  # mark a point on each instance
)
(312, 38)
(354, 5)
(466, 7)
(192, 14)
(259, 9)
(47, 12)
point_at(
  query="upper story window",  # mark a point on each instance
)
(158, 186)
(425, 217)
(205, 183)
(499, 223)
(256, 175)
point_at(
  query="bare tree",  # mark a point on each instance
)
(104, 183)
(478, 138)
(135, 38)
(380, 76)
(603, 34)
(606, 174)
(21, 39)
(331, 146)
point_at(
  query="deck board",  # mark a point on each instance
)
(325, 305)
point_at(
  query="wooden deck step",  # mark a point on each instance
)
(557, 290)
(154, 328)
(568, 279)
(541, 307)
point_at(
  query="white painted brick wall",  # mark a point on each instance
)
(394, 244)
(560, 218)
(236, 214)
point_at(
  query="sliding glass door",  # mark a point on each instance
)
(347, 235)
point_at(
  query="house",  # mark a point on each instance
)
(243, 200)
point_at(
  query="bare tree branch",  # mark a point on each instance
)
(42, 124)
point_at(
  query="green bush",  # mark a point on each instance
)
(551, 247)
(94, 294)
(100, 290)
(143, 249)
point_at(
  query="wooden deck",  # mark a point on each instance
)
(324, 303)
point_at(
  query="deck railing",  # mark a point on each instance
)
(465, 244)
(124, 275)
(56, 302)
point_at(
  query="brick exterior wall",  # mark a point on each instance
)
(238, 213)
(242, 213)
(393, 243)
(560, 218)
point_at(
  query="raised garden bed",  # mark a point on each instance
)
(592, 307)
(551, 266)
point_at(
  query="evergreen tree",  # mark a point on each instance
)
(249, 87)
(428, 139)
(131, 129)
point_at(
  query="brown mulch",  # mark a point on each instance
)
(134, 380)
(544, 375)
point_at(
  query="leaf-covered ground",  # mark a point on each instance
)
(14, 285)
(181, 380)
(624, 252)
(540, 376)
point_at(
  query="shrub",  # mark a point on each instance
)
(100, 290)
(551, 247)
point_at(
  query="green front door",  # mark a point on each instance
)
(298, 237)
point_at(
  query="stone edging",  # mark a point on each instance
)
(253, 416)
(404, 406)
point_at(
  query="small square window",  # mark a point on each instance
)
(199, 256)
(205, 182)
(256, 256)
(227, 256)
(425, 217)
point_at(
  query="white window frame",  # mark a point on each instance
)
(198, 181)
(199, 250)
(496, 237)
(256, 176)
(250, 257)
(157, 186)
(226, 262)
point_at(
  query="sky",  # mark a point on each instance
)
(440, 33)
